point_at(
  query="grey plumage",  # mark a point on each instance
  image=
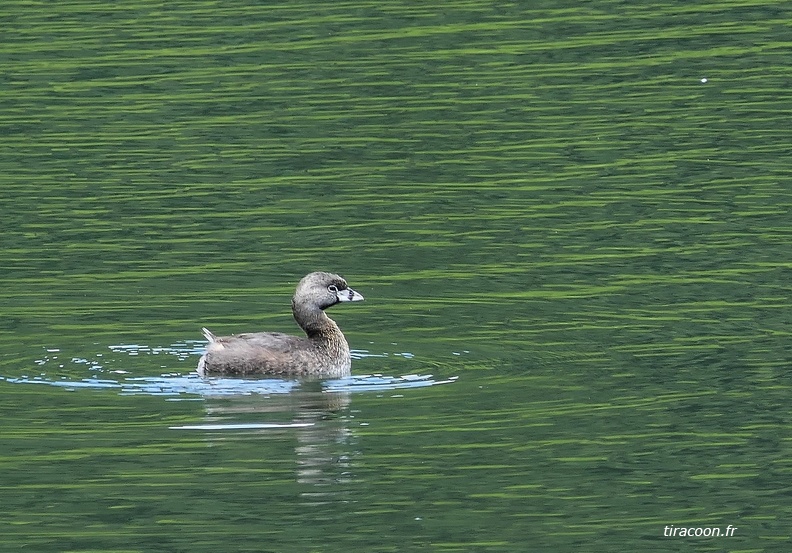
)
(324, 351)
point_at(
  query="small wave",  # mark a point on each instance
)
(178, 386)
(192, 386)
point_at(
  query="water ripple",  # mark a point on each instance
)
(183, 387)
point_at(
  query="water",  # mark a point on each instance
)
(570, 222)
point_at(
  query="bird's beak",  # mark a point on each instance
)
(348, 295)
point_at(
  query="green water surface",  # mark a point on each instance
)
(572, 218)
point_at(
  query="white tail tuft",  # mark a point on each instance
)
(208, 335)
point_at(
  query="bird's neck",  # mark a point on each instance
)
(315, 323)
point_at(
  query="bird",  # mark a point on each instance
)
(323, 353)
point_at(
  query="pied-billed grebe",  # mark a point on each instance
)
(324, 353)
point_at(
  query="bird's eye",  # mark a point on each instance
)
(333, 289)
